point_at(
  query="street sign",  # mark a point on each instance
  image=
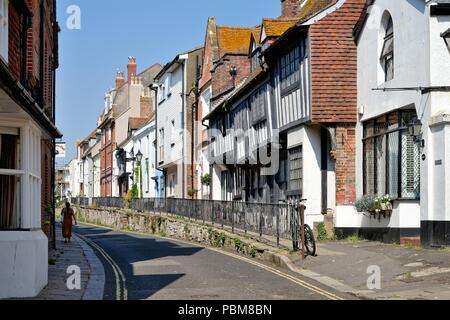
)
(60, 150)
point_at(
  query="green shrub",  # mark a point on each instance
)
(321, 232)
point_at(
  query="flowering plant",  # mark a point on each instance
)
(374, 204)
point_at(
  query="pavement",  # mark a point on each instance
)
(145, 267)
(77, 253)
(406, 272)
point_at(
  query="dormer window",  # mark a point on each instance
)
(387, 53)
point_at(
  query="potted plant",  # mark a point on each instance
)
(206, 180)
(375, 206)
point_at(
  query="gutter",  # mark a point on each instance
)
(23, 98)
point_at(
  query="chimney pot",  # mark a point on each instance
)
(132, 68)
(120, 79)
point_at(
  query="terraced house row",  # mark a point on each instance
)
(342, 102)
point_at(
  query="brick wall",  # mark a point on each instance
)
(106, 163)
(289, 8)
(14, 41)
(221, 78)
(334, 63)
(345, 155)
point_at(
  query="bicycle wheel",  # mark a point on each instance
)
(310, 241)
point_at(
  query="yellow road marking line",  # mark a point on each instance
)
(299, 282)
(118, 274)
(302, 283)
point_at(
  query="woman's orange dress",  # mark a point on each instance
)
(67, 223)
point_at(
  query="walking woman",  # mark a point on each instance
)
(68, 218)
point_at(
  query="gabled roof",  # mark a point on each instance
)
(310, 8)
(276, 27)
(234, 40)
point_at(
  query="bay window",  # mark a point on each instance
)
(20, 178)
(391, 157)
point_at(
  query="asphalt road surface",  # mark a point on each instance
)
(139, 267)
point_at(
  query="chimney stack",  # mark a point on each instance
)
(120, 79)
(290, 8)
(132, 68)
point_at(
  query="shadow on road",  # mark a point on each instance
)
(144, 261)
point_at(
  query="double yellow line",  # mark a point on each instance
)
(118, 274)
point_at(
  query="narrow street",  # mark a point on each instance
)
(141, 267)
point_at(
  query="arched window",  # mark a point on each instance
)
(387, 53)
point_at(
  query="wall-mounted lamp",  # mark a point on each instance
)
(139, 156)
(415, 130)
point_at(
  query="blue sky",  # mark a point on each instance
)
(111, 30)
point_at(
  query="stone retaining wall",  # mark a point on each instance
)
(177, 228)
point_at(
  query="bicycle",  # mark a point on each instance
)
(309, 240)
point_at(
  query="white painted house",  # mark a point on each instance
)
(404, 79)
(175, 83)
(142, 141)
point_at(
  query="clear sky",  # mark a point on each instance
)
(111, 30)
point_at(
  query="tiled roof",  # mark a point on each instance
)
(234, 39)
(276, 27)
(137, 123)
(310, 8)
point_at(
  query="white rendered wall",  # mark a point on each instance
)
(23, 263)
(411, 40)
(309, 138)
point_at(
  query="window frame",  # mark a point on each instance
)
(285, 63)
(387, 55)
(401, 128)
(295, 191)
(28, 173)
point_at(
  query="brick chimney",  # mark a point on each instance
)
(120, 79)
(290, 8)
(132, 68)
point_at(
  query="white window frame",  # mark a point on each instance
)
(4, 27)
(29, 173)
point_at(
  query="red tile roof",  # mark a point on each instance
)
(136, 123)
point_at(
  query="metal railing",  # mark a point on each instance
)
(273, 220)
(109, 202)
(263, 219)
